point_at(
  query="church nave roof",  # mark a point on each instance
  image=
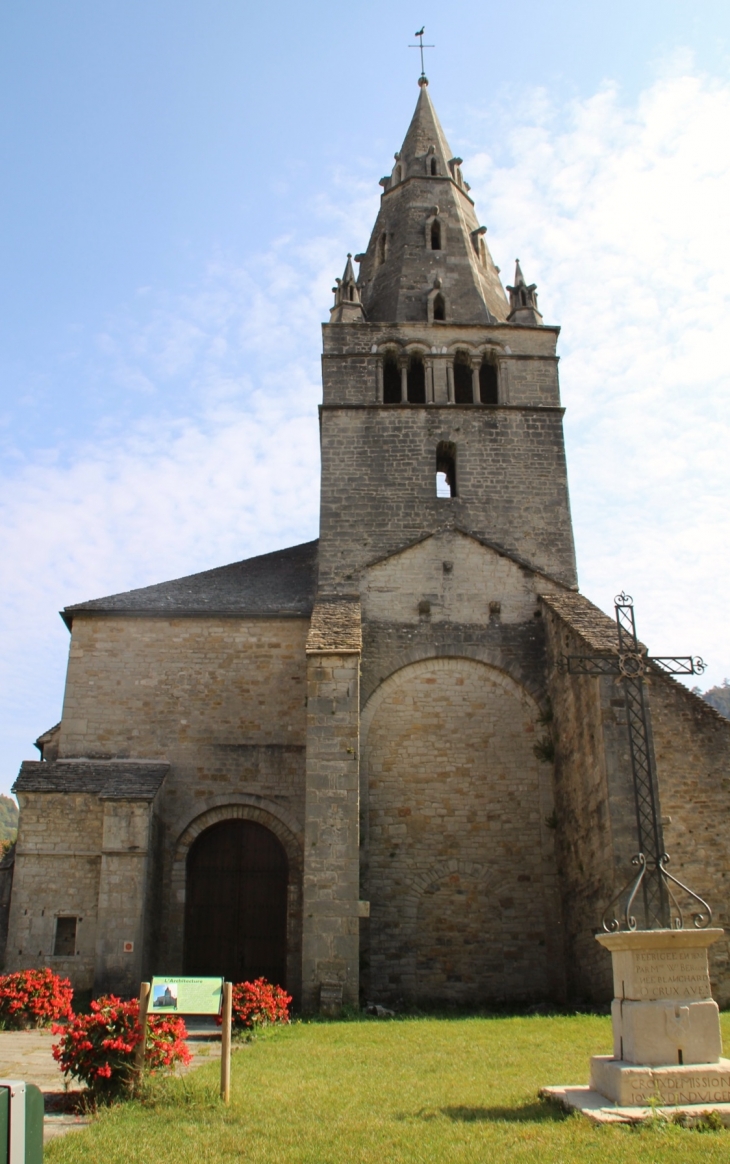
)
(279, 583)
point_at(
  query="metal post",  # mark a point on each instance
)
(226, 1042)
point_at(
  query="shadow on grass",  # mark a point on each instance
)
(536, 1112)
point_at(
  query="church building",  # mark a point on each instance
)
(357, 766)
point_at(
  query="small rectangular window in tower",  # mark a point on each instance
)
(446, 469)
(64, 945)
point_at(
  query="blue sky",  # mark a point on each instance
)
(181, 182)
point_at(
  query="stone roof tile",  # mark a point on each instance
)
(107, 779)
(588, 621)
(335, 627)
(280, 583)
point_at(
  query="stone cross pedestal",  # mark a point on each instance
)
(666, 1032)
(666, 1024)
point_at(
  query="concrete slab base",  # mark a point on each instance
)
(600, 1110)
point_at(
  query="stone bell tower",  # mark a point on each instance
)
(423, 353)
(440, 418)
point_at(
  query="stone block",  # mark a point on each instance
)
(629, 1085)
(661, 1032)
(660, 963)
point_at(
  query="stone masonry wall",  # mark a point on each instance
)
(224, 700)
(330, 963)
(149, 687)
(58, 864)
(379, 484)
(459, 870)
(594, 798)
(692, 745)
(525, 358)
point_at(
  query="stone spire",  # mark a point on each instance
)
(427, 231)
(347, 308)
(523, 301)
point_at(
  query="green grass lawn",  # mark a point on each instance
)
(381, 1092)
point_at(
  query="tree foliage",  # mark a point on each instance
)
(8, 818)
(719, 698)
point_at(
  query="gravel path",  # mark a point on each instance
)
(27, 1055)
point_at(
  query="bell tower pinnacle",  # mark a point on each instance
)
(427, 364)
(428, 229)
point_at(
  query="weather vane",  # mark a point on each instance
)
(421, 46)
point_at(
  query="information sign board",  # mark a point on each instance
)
(186, 996)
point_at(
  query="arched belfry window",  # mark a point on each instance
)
(416, 381)
(488, 382)
(434, 168)
(435, 235)
(391, 380)
(463, 382)
(439, 308)
(446, 469)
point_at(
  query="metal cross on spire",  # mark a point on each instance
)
(421, 46)
(630, 664)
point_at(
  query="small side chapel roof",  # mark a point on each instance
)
(107, 779)
(280, 583)
(586, 619)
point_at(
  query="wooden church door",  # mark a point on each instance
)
(235, 905)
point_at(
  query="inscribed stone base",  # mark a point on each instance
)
(661, 1033)
(330, 999)
(654, 964)
(599, 1110)
(630, 1085)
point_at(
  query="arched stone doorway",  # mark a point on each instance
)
(236, 903)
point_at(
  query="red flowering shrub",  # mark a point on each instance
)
(259, 1003)
(33, 998)
(99, 1048)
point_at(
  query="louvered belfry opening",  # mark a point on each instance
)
(235, 904)
(416, 381)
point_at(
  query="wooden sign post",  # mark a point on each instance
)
(227, 1016)
(181, 996)
(144, 1002)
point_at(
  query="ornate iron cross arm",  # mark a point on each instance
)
(630, 663)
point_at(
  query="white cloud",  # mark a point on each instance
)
(620, 214)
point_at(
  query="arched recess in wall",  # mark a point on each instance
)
(287, 834)
(449, 774)
(236, 903)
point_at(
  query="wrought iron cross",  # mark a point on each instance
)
(630, 664)
(421, 46)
